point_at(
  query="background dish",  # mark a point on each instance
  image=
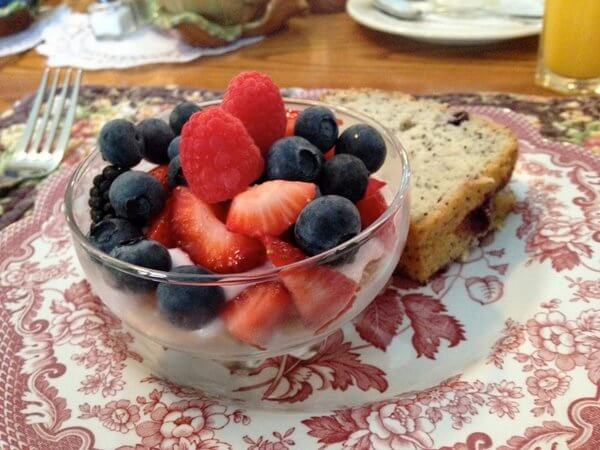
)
(446, 32)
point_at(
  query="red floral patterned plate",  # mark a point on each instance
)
(501, 351)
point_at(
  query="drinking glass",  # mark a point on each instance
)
(569, 53)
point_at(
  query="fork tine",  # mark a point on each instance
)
(65, 133)
(58, 114)
(33, 114)
(49, 101)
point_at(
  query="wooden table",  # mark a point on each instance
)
(322, 51)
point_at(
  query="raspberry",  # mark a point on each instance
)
(254, 99)
(218, 157)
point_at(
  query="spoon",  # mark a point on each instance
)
(404, 10)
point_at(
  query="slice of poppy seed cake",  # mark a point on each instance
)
(461, 164)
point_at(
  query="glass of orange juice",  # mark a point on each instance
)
(569, 56)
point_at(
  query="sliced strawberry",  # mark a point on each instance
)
(206, 239)
(159, 229)
(291, 115)
(256, 312)
(281, 253)
(373, 203)
(320, 293)
(220, 210)
(370, 208)
(161, 174)
(269, 208)
(375, 185)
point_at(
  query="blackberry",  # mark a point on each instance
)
(100, 207)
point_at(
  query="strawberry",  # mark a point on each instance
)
(161, 173)
(373, 204)
(269, 208)
(320, 293)
(159, 229)
(374, 185)
(280, 252)
(371, 208)
(206, 239)
(254, 314)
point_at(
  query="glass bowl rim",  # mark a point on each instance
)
(249, 276)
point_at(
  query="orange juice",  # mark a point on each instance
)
(571, 38)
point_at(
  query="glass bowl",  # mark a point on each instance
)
(199, 357)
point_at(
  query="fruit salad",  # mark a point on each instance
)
(239, 228)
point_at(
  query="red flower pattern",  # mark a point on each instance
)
(394, 426)
(555, 339)
(185, 424)
(587, 289)
(547, 384)
(119, 416)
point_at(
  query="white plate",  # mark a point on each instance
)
(447, 31)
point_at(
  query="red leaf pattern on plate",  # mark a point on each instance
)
(430, 325)
(335, 365)
(484, 290)
(281, 442)
(379, 323)
(500, 268)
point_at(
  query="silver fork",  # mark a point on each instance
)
(37, 153)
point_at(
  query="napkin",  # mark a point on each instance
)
(71, 42)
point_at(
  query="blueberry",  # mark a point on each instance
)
(189, 307)
(137, 196)
(120, 143)
(175, 175)
(317, 124)
(458, 117)
(344, 175)
(145, 253)
(325, 223)
(295, 159)
(173, 149)
(181, 114)
(364, 142)
(109, 233)
(157, 136)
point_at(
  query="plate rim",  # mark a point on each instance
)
(439, 37)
